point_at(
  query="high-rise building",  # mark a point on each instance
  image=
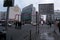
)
(26, 14)
(48, 10)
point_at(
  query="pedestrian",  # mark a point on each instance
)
(50, 24)
(59, 26)
(19, 24)
(16, 24)
(42, 23)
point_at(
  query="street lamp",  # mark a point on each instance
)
(37, 22)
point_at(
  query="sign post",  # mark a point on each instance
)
(8, 4)
(36, 22)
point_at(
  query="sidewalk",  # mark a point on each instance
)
(45, 33)
(48, 33)
(22, 34)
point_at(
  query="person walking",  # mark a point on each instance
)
(19, 24)
(59, 26)
(16, 24)
(50, 24)
(42, 23)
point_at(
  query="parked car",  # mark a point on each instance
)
(34, 24)
(2, 23)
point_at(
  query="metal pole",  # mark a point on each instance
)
(38, 28)
(30, 34)
(50, 20)
(7, 15)
(36, 22)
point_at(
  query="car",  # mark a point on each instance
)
(34, 24)
(10, 24)
(2, 23)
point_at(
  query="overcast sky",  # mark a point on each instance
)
(23, 3)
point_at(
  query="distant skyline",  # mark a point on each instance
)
(23, 3)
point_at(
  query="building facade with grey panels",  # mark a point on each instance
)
(46, 9)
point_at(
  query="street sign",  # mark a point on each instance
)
(8, 3)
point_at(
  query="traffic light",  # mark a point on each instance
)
(9, 3)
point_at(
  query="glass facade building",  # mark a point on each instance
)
(26, 14)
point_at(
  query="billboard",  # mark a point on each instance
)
(8, 3)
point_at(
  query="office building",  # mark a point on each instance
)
(15, 13)
(26, 15)
(48, 10)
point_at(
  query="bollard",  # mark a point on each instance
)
(30, 34)
(20, 24)
(38, 29)
(11, 38)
